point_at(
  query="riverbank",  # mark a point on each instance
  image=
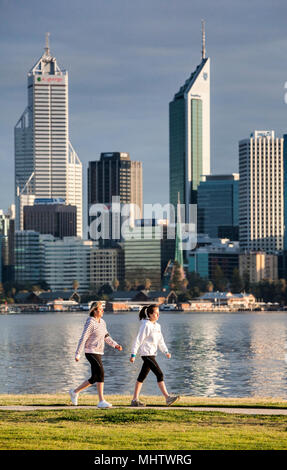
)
(63, 427)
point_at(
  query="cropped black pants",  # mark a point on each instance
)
(98, 374)
(149, 363)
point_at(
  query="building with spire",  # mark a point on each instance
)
(189, 133)
(46, 165)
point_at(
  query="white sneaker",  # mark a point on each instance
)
(74, 397)
(104, 404)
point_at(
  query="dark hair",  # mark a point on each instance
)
(147, 311)
(95, 306)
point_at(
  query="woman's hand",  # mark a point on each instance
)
(118, 347)
(168, 355)
(132, 359)
(77, 359)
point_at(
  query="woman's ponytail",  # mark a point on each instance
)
(142, 314)
(146, 311)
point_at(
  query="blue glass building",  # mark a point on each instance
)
(217, 206)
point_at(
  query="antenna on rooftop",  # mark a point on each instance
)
(203, 39)
(47, 48)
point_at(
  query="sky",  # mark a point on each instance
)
(127, 58)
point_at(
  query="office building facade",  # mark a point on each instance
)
(106, 266)
(27, 257)
(46, 165)
(217, 206)
(114, 178)
(51, 217)
(261, 193)
(258, 266)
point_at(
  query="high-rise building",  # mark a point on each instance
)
(106, 266)
(46, 165)
(217, 206)
(261, 193)
(115, 175)
(66, 262)
(27, 257)
(7, 224)
(51, 217)
(189, 134)
(258, 266)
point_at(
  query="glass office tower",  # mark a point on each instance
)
(189, 134)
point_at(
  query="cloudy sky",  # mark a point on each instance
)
(127, 58)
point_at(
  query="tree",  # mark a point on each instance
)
(75, 285)
(147, 284)
(219, 281)
(236, 282)
(116, 284)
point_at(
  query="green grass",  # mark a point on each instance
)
(139, 429)
(127, 428)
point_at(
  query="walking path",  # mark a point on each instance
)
(242, 411)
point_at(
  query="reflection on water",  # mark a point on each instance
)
(212, 354)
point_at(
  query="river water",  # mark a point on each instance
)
(213, 354)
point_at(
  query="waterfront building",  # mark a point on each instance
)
(51, 216)
(189, 134)
(205, 259)
(106, 266)
(261, 193)
(259, 266)
(27, 257)
(217, 206)
(66, 262)
(46, 165)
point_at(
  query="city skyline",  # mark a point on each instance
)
(119, 92)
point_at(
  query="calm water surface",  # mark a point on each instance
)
(231, 355)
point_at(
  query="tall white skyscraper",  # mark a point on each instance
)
(46, 165)
(189, 133)
(261, 196)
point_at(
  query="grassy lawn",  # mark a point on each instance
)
(149, 429)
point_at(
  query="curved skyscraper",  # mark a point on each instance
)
(189, 134)
(46, 165)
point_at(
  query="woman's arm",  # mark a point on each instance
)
(88, 329)
(142, 334)
(161, 344)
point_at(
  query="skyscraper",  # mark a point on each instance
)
(261, 195)
(217, 206)
(46, 165)
(189, 133)
(115, 175)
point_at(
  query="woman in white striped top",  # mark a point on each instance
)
(93, 340)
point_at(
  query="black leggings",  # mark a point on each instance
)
(97, 368)
(149, 363)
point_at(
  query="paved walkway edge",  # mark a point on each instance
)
(246, 411)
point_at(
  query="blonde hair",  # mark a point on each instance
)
(95, 307)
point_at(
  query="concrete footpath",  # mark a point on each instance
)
(231, 410)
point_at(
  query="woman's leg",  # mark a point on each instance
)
(100, 388)
(159, 375)
(142, 375)
(137, 390)
(82, 387)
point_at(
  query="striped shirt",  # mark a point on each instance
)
(93, 338)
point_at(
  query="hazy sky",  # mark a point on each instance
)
(127, 58)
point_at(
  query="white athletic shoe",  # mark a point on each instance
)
(104, 404)
(74, 397)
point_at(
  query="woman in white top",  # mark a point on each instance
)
(93, 340)
(148, 340)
